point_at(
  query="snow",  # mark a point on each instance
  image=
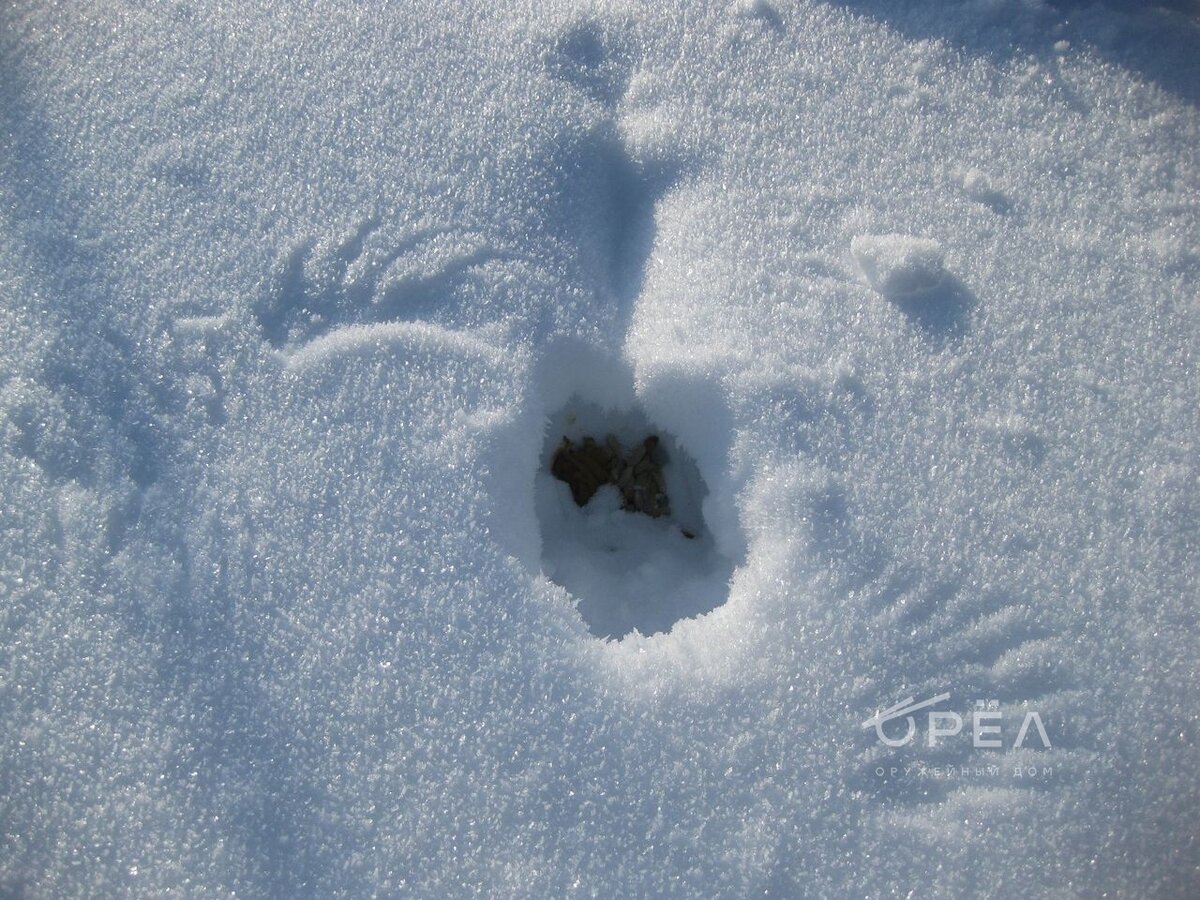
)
(296, 301)
(899, 265)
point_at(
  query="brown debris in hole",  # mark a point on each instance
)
(638, 475)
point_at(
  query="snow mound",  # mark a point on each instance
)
(899, 265)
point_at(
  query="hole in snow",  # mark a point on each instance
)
(620, 507)
(635, 471)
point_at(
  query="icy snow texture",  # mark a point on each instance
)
(284, 288)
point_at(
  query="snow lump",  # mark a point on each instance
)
(900, 265)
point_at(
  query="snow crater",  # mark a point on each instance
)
(628, 570)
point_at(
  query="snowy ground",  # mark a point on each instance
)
(290, 293)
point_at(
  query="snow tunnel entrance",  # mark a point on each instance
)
(620, 507)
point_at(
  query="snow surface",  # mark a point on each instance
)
(290, 291)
